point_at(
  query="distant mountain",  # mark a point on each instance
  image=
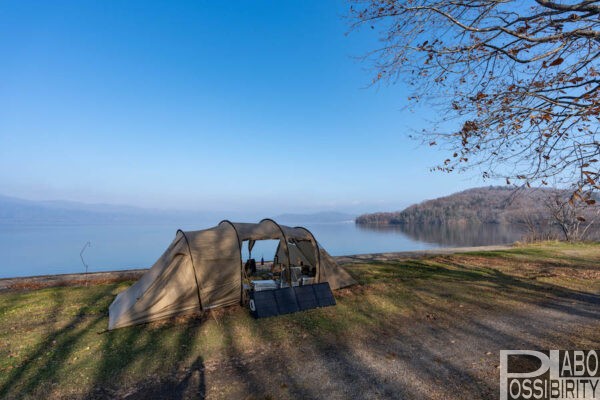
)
(95, 207)
(56, 212)
(478, 205)
(19, 211)
(319, 217)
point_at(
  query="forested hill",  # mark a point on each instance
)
(479, 205)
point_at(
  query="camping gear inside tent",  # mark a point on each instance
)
(203, 269)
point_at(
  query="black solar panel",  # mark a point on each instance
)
(324, 295)
(286, 300)
(306, 297)
(270, 303)
(263, 304)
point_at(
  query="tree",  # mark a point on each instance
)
(568, 217)
(518, 81)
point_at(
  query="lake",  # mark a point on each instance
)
(38, 250)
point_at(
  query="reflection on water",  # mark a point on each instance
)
(455, 235)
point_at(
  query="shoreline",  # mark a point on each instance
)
(96, 278)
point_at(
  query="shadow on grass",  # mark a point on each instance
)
(368, 361)
(414, 329)
(157, 359)
(41, 365)
(70, 359)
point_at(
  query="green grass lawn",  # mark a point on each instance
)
(50, 345)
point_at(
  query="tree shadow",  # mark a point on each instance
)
(126, 350)
(434, 357)
(42, 369)
(411, 330)
(59, 345)
(188, 385)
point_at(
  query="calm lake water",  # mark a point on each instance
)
(40, 250)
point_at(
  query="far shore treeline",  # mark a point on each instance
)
(537, 209)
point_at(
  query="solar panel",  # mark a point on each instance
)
(270, 303)
(306, 297)
(286, 300)
(263, 304)
(324, 295)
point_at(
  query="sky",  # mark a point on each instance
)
(243, 105)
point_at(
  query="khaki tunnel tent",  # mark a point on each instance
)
(203, 269)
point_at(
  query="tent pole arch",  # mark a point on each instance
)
(287, 250)
(318, 258)
(193, 267)
(237, 235)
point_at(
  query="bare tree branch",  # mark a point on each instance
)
(522, 79)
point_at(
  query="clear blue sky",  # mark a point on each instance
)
(256, 105)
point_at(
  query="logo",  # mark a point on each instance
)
(553, 374)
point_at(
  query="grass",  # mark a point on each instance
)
(50, 345)
(571, 266)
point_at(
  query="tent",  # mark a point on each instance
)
(203, 269)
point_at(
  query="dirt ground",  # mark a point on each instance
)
(452, 352)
